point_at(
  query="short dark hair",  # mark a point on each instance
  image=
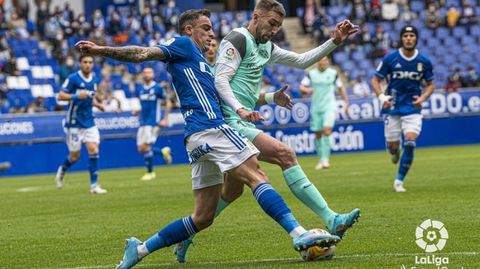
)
(271, 5)
(190, 17)
(84, 56)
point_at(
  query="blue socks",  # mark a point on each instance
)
(156, 151)
(175, 232)
(274, 205)
(406, 160)
(66, 164)
(149, 161)
(93, 169)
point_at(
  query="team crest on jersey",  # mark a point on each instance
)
(168, 42)
(263, 53)
(82, 84)
(419, 67)
(230, 53)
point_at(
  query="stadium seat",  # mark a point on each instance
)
(417, 6)
(45, 90)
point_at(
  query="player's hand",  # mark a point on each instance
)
(385, 101)
(282, 99)
(343, 30)
(83, 94)
(87, 47)
(418, 101)
(100, 107)
(250, 116)
(163, 123)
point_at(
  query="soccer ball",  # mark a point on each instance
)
(316, 253)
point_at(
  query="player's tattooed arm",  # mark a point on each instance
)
(135, 54)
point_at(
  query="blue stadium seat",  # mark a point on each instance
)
(417, 6)
(475, 30)
(459, 31)
(340, 56)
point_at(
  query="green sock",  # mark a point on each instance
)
(325, 148)
(222, 204)
(318, 147)
(306, 192)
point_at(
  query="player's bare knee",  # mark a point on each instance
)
(74, 156)
(203, 220)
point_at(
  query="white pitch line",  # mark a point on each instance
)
(352, 256)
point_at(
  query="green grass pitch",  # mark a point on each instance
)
(42, 227)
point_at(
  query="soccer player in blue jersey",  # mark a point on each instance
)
(213, 147)
(80, 90)
(404, 69)
(151, 96)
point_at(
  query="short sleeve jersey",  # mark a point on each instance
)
(193, 81)
(79, 114)
(150, 100)
(324, 84)
(404, 76)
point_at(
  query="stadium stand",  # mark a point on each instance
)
(34, 51)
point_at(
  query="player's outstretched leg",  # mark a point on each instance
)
(274, 205)
(405, 164)
(165, 152)
(273, 151)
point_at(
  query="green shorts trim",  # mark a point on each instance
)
(247, 129)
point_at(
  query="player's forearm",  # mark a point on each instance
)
(376, 86)
(343, 94)
(305, 59)
(63, 96)
(223, 74)
(427, 92)
(168, 108)
(305, 89)
(134, 54)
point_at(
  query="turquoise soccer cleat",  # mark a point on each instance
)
(130, 258)
(181, 250)
(342, 222)
(310, 239)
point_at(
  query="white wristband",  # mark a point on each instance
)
(269, 98)
(384, 98)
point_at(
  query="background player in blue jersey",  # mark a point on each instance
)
(150, 97)
(404, 69)
(80, 90)
(213, 147)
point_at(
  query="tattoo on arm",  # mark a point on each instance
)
(135, 54)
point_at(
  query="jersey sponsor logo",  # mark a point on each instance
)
(168, 42)
(419, 67)
(199, 151)
(406, 75)
(230, 53)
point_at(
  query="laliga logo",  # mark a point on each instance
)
(431, 235)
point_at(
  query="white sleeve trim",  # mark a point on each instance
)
(305, 81)
(303, 60)
(223, 75)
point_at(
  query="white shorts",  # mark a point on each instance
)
(147, 135)
(214, 151)
(395, 125)
(77, 136)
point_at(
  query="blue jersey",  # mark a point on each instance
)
(79, 114)
(194, 84)
(404, 76)
(150, 100)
